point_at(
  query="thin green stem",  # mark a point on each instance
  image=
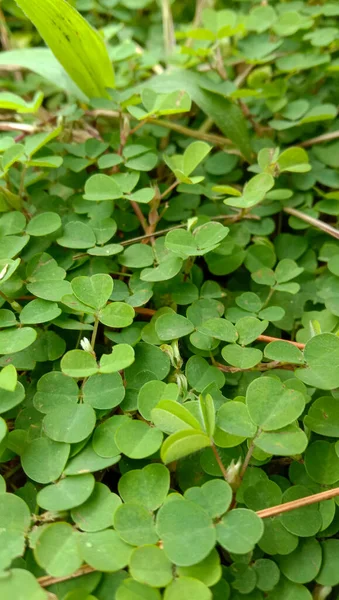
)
(206, 125)
(248, 457)
(219, 461)
(168, 27)
(212, 138)
(148, 235)
(94, 332)
(226, 218)
(12, 471)
(121, 274)
(189, 266)
(270, 294)
(78, 339)
(169, 189)
(13, 304)
(22, 181)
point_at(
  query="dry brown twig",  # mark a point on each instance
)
(266, 513)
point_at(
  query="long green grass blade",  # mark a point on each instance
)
(77, 46)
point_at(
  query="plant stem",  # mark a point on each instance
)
(94, 332)
(18, 127)
(219, 461)
(325, 137)
(216, 140)
(243, 75)
(169, 189)
(141, 124)
(12, 471)
(273, 511)
(248, 457)
(268, 338)
(261, 338)
(48, 580)
(149, 312)
(226, 218)
(148, 235)
(140, 216)
(168, 27)
(274, 364)
(270, 294)
(13, 304)
(4, 38)
(22, 181)
(121, 274)
(212, 138)
(314, 222)
(206, 126)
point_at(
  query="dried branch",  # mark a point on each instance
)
(274, 364)
(168, 27)
(319, 139)
(294, 504)
(317, 223)
(18, 127)
(140, 216)
(48, 580)
(273, 511)
(216, 140)
(268, 338)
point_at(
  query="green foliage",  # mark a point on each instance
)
(75, 44)
(162, 243)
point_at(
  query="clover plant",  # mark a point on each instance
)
(169, 300)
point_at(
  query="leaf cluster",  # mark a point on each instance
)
(169, 314)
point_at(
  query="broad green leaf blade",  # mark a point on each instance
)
(239, 531)
(188, 587)
(148, 486)
(104, 550)
(14, 524)
(21, 585)
(234, 418)
(135, 524)
(182, 443)
(8, 378)
(66, 493)
(187, 531)
(170, 416)
(214, 496)
(76, 45)
(98, 511)
(159, 575)
(57, 551)
(137, 440)
(43, 62)
(271, 405)
(194, 155)
(207, 410)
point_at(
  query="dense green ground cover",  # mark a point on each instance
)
(169, 300)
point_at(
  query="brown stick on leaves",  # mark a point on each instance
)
(274, 511)
(294, 504)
